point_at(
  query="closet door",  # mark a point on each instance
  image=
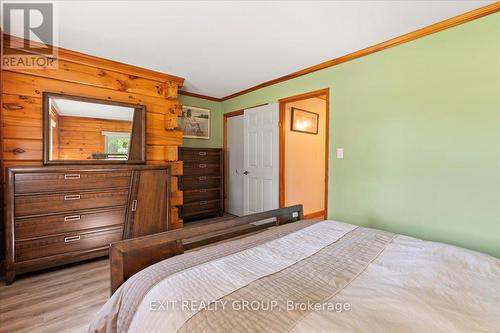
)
(260, 159)
(149, 205)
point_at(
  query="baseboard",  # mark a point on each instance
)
(313, 215)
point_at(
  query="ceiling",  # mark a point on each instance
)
(222, 47)
(67, 107)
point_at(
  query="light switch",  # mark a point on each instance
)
(340, 153)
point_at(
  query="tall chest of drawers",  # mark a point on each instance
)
(202, 182)
(56, 215)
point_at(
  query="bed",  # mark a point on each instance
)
(299, 276)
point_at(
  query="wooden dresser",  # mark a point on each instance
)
(56, 215)
(201, 182)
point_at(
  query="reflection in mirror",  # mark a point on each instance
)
(84, 130)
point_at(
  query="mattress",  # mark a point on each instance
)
(322, 276)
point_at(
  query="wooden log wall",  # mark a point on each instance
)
(84, 75)
(80, 137)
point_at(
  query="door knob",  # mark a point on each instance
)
(245, 173)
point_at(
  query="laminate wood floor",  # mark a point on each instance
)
(58, 300)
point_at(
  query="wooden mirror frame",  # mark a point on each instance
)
(138, 133)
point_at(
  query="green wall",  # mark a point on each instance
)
(216, 120)
(420, 128)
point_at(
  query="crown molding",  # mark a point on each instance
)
(210, 98)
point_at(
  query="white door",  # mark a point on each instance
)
(260, 159)
(235, 165)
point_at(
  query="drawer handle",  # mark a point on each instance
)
(17, 151)
(72, 176)
(72, 218)
(71, 239)
(202, 153)
(203, 203)
(202, 178)
(202, 190)
(134, 205)
(202, 166)
(72, 197)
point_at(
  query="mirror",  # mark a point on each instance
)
(87, 130)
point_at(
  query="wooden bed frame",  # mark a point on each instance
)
(130, 256)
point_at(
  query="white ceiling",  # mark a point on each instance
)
(222, 47)
(67, 107)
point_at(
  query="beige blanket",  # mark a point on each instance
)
(326, 276)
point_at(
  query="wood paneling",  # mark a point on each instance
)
(80, 137)
(159, 121)
(22, 149)
(22, 107)
(176, 198)
(16, 83)
(97, 77)
(174, 217)
(164, 137)
(177, 168)
(84, 75)
(159, 154)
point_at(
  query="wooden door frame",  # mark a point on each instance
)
(282, 143)
(224, 150)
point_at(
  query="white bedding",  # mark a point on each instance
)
(410, 286)
(418, 286)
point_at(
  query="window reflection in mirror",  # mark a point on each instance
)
(83, 130)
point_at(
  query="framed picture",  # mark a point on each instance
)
(304, 121)
(195, 122)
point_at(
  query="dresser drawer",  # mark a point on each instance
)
(194, 208)
(197, 182)
(199, 169)
(201, 195)
(55, 203)
(200, 156)
(70, 181)
(49, 246)
(63, 223)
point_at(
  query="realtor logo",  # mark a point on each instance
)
(30, 31)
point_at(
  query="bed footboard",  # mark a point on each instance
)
(129, 256)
